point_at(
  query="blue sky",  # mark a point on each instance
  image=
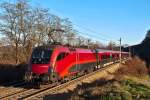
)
(109, 19)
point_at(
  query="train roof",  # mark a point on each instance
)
(96, 50)
(81, 50)
(104, 50)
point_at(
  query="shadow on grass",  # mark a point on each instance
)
(82, 88)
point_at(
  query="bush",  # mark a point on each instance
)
(12, 72)
(135, 67)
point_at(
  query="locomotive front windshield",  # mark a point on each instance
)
(41, 56)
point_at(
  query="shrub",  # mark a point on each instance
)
(135, 66)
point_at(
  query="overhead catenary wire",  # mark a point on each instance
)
(92, 35)
(103, 36)
(100, 36)
(97, 37)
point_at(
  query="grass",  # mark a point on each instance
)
(131, 82)
(116, 90)
(137, 91)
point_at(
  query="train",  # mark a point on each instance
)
(57, 63)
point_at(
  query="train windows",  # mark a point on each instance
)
(41, 56)
(73, 68)
(104, 57)
(62, 55)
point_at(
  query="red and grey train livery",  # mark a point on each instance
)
(53, 63)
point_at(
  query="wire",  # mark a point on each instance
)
(87, 29)
(100, 36)
(92, 35)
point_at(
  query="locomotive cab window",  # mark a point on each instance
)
(41, 56)
(62, 56)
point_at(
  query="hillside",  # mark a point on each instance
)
(142, 50)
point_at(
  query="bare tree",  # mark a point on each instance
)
(11, 24)
(80, 41)
(70, 33)
(111, 45)
(25, 27)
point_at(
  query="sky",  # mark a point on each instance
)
(104, 20)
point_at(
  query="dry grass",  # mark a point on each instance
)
(113, 90)
(130, 83)
(135, 67)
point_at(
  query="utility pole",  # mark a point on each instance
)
(129, 51)
(120, 50)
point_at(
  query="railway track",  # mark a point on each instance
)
(60, 88)
(32, 94)
(14, 87)
(26, 93)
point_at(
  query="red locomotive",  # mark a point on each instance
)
(59, 63)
